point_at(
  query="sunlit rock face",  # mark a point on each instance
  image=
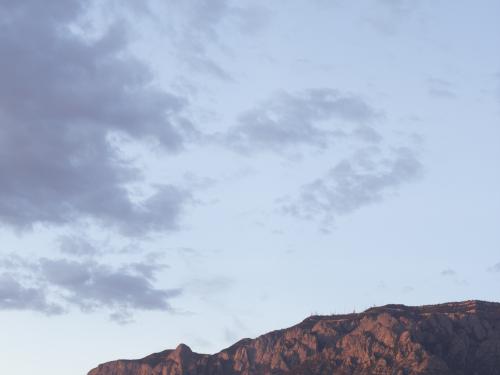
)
(448, 339)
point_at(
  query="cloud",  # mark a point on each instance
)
(15, 296)
(78, 246)
(448, 272)
(390, 16)
(363, 179)
(314, 118)
(451, 273)
(209, 285)
(195, 28)
(63, 98)
(90, 285)
(495, 268)
(58, 285)
(440, 88)
(320, 119)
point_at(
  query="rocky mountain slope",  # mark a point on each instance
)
(448, 339)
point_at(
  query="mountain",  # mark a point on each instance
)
(447, 339)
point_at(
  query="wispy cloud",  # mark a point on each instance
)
(390, 16)
(448, 272)
(53, 286)
(495, 268)
(367, 177)
(440, 88)
(194, 30)
(315, 118)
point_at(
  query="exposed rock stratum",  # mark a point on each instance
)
(448, 339)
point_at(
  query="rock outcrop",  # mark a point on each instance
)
(447, 339)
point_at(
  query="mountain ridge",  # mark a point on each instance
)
(456, 338)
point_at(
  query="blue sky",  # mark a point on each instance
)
(202, 171)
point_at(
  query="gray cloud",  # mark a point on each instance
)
(389, 16)
(319, 119)
(195, 28)
(448, 272)
(91, 285)
(453, 275)
(15, 296)
(440, 88)
(78, 246)
(58, 285)
(495, 268)
(354, 182)
(62, 97)
(316, 118)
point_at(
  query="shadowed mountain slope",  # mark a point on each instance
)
(448, 339)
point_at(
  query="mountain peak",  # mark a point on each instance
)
(181, 354)
(182, 348)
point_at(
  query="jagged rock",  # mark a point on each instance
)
(447, 339)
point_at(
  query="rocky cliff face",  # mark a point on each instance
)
(448, 339)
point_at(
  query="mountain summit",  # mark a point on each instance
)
(448, 339)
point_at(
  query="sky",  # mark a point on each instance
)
(200, 171)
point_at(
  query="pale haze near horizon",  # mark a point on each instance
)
(203, 171)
